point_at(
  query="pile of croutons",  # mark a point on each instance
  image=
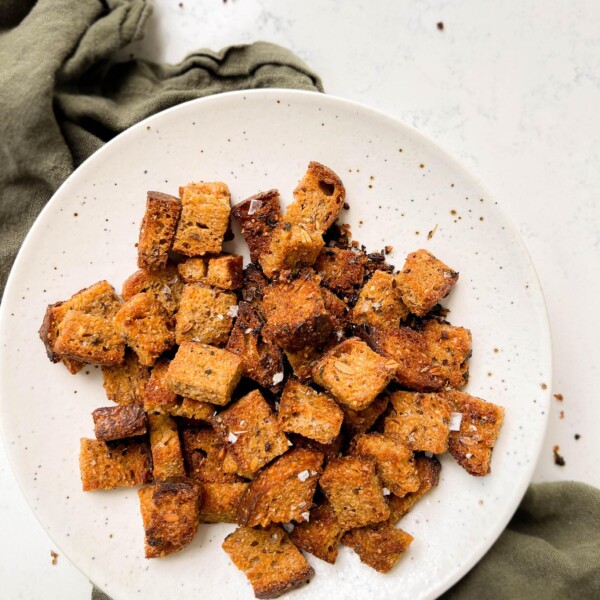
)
(302, 397)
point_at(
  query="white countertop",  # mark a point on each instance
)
(510, 88)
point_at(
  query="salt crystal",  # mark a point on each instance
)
(254, 206)
(290, 443)
(289, 527)
(386, 492)
(232, 437)
(233, 311)
(220, 317)
(313, 473)
(303, 476)
(277, 378)
(469, 455)
(455, 420)
(249, 330)
(306, 516)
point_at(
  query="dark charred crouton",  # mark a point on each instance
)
(283, 491)
(167, 458)
(359, 421)
(220, 502)
(125, 383)
(164, 284)
(253, 287)
(205, 209)
(119, 422)
(223, 271)
(424, 281)
(329, 451)
(251, 432)
(170, 515)
(342, 269)
(353, 373)
(157, 230)
(123, 464)
(270, 561)
(353, 488)
(478, 429)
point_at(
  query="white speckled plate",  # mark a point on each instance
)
(400, 187)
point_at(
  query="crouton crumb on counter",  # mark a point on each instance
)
(303, 397)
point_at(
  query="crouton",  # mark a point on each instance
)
(170, 515)
(119, 422)
(303, 360)
(252, 433)
(225, 271)
(205, 315)
(262, 360)
(379, 546)
(296, 315)
(192, 409)
(125, 383)
(258, 217)
(104, 467)
(320, 535)
(158, 397)
(338, 311)
(166, 449)
(147, 328)
(480, 424)
(283, 491)
(342, 269)
(450, 349)
(89, 339)
(164, 284)
(353, 488)
(220, 502)
(353, 373)
(193, 270)
(329, 451)
(253, 287)
(394, 462)
(420, 421)
(204, 373)
(310, 413)
(270, 561)
(205, 209)
(379, 303)
(424, 281)
(157, 230)
(318, 198)
(359, 421)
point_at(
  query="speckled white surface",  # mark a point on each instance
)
(511, 89)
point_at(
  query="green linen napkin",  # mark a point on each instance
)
(61, 98)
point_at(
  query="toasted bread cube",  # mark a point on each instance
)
(480, 424)
(318, 198)
(146, 326)
(394, 462)
(205, 209)
(450, 349)
(258, 217)
(119, 422)
(166, 449)
(225, 271)
(170, 515)
(420, 421)
(89, 339)
(205, 315)
(262, 360)
(303, 360)
(338, 310)
(379, 303)
(342, 269)
(329, 451)
(283, 491)
(353, 373)
(379, 546)
(251, 432)
(270, 561)
(157, 230)
(253, 287)
(192, 409)
(310, 413)
(125, 383)
(359, 421)
(320, 535)
(220, 501)
(105, 467)
(204, 373)
(353, 488)
(158, 397)
(164, 284)
(296, 315)
(193, 270)
(424, 281)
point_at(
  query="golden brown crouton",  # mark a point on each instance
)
(164, 284)
(359, 421)
(480, 424)
(268, 558)
(258, 216)
(157, 230)
(338, 310)
(166, 449)
(424, 281)
(320, 535)
(420, 421)
(220, 502)
(283, 491)
(318, 198)
(193, 270)
(450, 349)
(310, 413)
(205, 315)
(342, 269)
(170, 515)
(329, 451)
(125, 383)
(118, 422)
(353, 488)
(303, 360)
(225, 271)
(353, 373)
(379, 546)
(104, 467)
(204, 373)
(394, 462)
(192, 409)
(158, 396)
(146, 326)
(205, 209)
(252, 434)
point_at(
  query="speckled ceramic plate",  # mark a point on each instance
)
(401, 186)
